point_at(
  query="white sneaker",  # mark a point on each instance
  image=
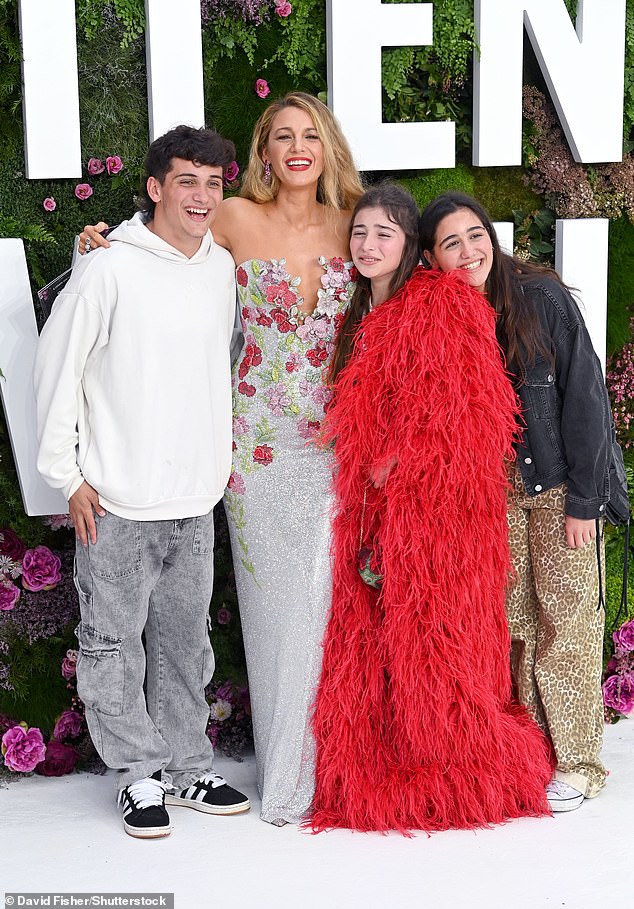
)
(563, 797)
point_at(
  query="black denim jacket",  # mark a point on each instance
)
(566, 409)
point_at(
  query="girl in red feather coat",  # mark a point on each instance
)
(414, 721)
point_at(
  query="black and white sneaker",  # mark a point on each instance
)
(143, 806)
(210, 793)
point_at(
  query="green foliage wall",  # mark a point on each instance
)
(244, 40)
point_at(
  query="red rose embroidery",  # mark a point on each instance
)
(245, 313)
(252, 357)
(245, 389)
(242, 277)
(316, 356)
(280, 294)
(265, 320)
(281, 320)
(336, 264)
(263, 454)
(338, 320)
(290, 366)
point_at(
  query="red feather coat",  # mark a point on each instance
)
(414, 719)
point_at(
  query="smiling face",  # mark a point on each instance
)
(376, 246)
(462, 242)
(294, 148)
(186, 203)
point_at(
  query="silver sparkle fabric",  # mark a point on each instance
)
(278, 506)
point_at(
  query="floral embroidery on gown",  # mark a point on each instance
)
(278, 503)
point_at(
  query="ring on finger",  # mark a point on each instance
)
(87, 245)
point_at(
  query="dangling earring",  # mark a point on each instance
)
(267, 173)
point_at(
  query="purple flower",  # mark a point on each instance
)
(262, 88)
(41, 569)
(223, 616)
(59, 759)
(11, 545)
(49, 204)
(623, 637)
(283, 8)
(113, 164)
(618, 692)
(69, 664)
(225, 691)
(83, 190)
(95, 166)
(69, 725)
(9, 595)
(231, 172)
(23, 748)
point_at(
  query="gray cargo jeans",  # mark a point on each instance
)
(152, 577)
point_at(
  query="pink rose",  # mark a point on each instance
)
(95, 166)
(83, 190)
(9, 595)
(231, 172)
(623, 637)
(11, 545)
(69, 725)
(41, 569)
(223, 616)
(49, 204)
(618, 692)
(236, 482)
(283, 9)
(58, 521)
(262, 88)
(22, 748)
(60, 759)
(69, 665)
(113, 164)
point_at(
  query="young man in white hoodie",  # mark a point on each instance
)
(132, 381)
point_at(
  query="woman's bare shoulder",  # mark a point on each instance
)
(232, 216)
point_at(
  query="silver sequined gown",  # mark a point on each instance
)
(278, 506)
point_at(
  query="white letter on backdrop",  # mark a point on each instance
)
(581, 260)
(356, 32)
(18, 340)
(50, 89)
(174, 55)
(583, 69)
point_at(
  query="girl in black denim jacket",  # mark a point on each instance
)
(559, 488)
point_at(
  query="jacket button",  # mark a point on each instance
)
(528, 460)
(550, 378)
(601, 507)
(538, 488)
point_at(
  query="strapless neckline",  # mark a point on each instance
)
(278, 285)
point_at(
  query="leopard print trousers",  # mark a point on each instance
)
(557, 633)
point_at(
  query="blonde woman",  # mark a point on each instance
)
(288, 234)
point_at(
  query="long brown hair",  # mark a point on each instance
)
(518, 329)
(400, 208)
(339, 185)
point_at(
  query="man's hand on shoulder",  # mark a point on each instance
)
(83, 504)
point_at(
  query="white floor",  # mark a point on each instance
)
(65, 835)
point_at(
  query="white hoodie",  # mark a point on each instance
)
(132, 377)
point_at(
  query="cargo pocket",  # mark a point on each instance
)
(100, 673)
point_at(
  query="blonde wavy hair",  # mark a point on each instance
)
(339, 185)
